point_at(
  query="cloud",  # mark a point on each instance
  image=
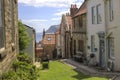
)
(49, 3)
(56, 19)
(37, 24)
(67, 9)
(34, 20)
(60, 12)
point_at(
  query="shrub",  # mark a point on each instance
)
(23, 69)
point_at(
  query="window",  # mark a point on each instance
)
(49, 38)
(80, 21)
(111, 10)
(2, 36)
(74, 22)
(98, 9)
(92, 43)
(12, 19)
(74, 47)
(93, 15)
(80, 45)
(111, 47)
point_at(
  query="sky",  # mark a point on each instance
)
(41, 14)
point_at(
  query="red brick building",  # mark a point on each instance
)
(49, 45)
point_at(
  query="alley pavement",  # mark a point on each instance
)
(91, 70)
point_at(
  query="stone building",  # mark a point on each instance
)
(8, 33)
(103, 29)
(58, 42)
(68, 36)
(112, 34)
(112, 38)
(62, 35)
(31, 46)
(49, 45)
(96, 30)
(65, 35)
(79, 30)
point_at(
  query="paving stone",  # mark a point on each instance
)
(90, 70)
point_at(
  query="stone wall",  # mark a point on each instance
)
(11, 28)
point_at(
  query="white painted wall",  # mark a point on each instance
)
(114, 27)
(93, 29)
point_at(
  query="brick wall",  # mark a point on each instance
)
(49, 50)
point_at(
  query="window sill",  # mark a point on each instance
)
(13, 46)
(2, 54)
(2, 50)
(112, 58)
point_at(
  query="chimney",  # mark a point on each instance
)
(67, 14)
(43, 33)
(73, 10)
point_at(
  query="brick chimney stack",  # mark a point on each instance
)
(67, 14)
(73, 9)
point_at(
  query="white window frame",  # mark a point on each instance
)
(111, 47)
(111, 14)
(93, 11)
(98, 12)
(49, 38)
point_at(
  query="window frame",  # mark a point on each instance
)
(111, 14)
(49, 38)
(80, 21)
(93, 11)
(80, 45)
(99, 17)
(111, 55)
(2, 21)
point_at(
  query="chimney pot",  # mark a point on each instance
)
(71, 5)
(75, 6)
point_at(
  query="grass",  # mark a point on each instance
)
(60, 71)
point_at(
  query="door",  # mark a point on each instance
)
(74, 47)
(102, 52)
(81, 46)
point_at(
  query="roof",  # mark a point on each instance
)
(49, 39)
(29, 26)
(57, 32)
(82, 9)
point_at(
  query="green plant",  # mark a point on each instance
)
(23, 69)
(24, 57)
(11, 75)
(23, 37)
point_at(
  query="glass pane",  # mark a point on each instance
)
(1, 28)
(1, 37)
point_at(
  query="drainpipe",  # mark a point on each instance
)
(106, 33)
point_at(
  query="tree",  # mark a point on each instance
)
(23, 37)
